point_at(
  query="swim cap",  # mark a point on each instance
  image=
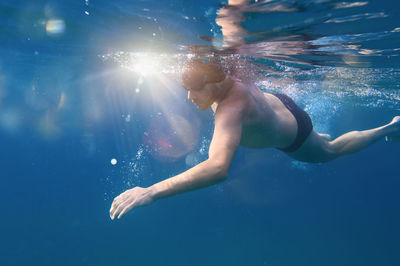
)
(196, 74)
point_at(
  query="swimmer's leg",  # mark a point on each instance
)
(396, 135)
(355, 141)
(325, 136)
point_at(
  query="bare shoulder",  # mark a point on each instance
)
(234, 104)
(238, 94)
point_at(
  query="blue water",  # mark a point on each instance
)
(75, 94)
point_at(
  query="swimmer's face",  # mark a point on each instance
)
(199, 79)
(197, 89)
(202, 98)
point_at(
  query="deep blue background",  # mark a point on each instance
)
(57, 184)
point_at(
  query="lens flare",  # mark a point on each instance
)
(171, 137)
(61, 103)
(55, 26)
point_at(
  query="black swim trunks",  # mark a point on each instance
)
(304, 123)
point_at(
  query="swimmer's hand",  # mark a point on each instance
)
(130, 199)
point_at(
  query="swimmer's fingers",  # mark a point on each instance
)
(117, 203)
(131, 198)
(126, 209)
(112, 209)
(120, 207)
(114, 206)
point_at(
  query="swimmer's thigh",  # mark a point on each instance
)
(315, 149)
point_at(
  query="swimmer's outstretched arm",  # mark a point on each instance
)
(223, 146)
(204, 174)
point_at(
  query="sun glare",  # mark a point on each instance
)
(146, 65)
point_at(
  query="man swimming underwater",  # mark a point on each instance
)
(246, 116)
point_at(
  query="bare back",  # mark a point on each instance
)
(266, 122)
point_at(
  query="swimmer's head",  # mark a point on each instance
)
(196, 74)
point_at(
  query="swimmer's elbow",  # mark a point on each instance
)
(221, 171)
(222, 175)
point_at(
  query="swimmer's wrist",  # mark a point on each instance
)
(153, 192)
(161, 190)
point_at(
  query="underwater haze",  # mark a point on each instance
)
(91, 105)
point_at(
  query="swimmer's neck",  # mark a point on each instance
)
(222, 90)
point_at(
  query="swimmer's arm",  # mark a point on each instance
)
(204, 174)
(226, 139)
